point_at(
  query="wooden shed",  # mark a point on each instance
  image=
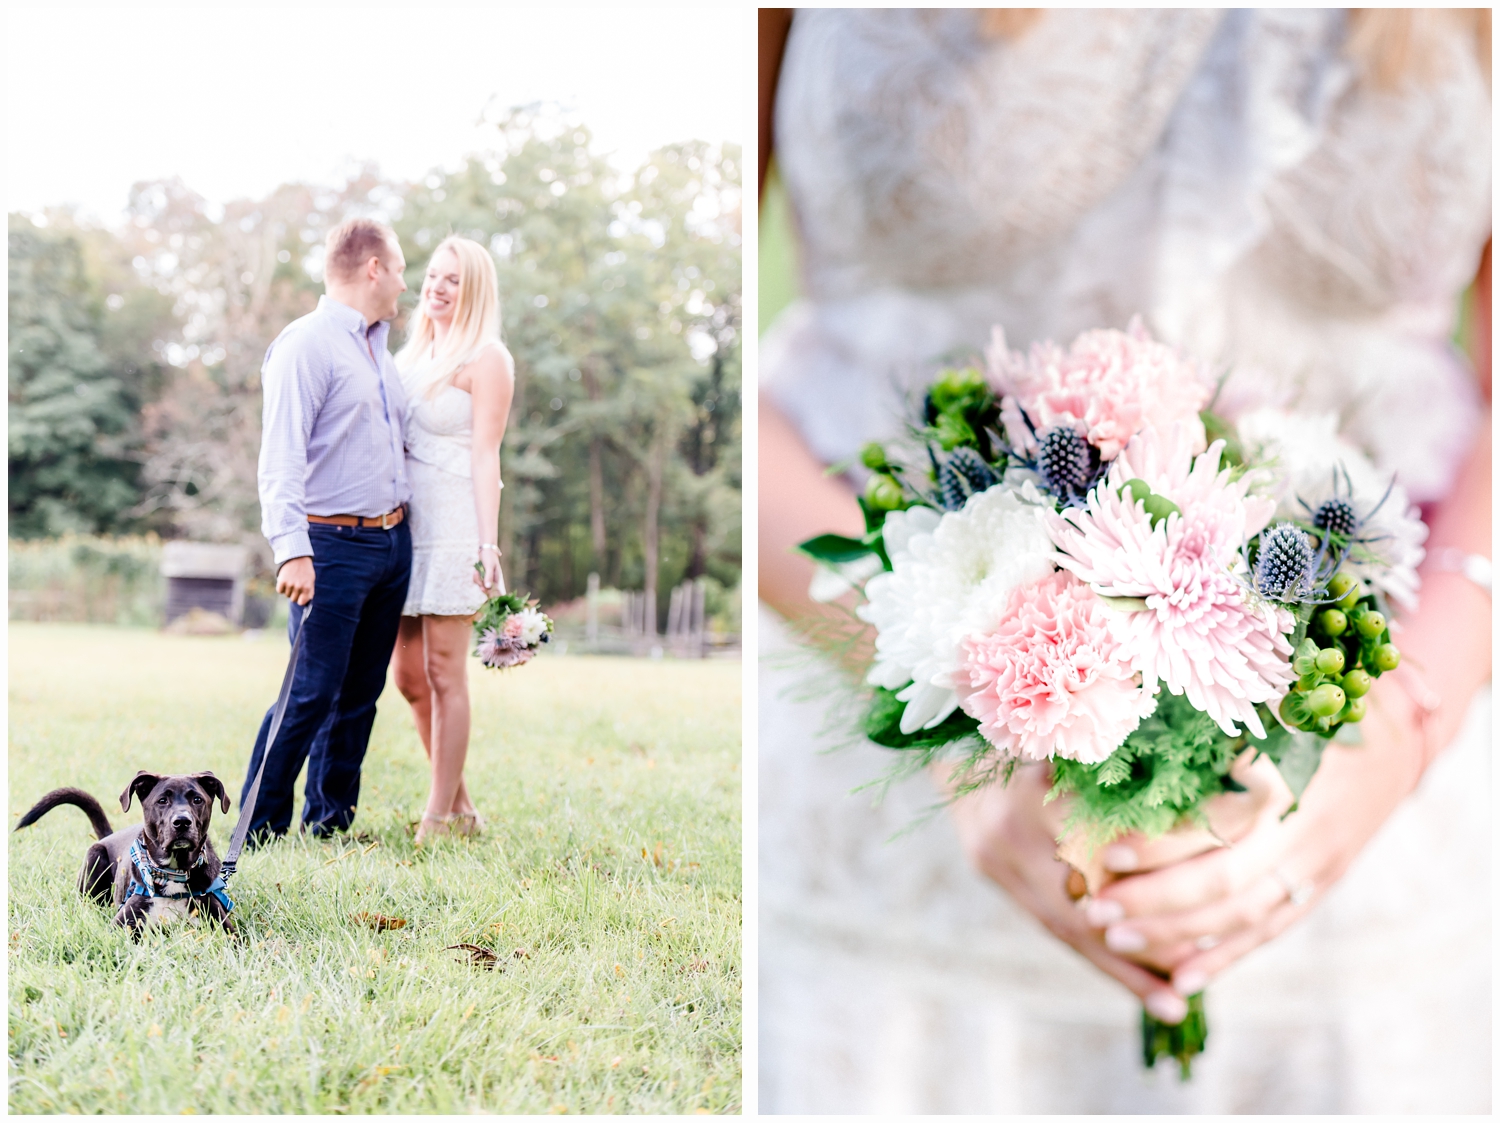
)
(206, 576)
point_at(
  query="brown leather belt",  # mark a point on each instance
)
(384, 522)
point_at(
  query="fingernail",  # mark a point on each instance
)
(1120, 859)
(1166, 1006)
(1102, 912)
(1122, 938)
(1189, 982)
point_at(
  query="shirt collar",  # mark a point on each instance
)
(351, 320)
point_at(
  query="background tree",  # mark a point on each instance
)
(138, 404)
(81, 369)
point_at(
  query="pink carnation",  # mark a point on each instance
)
(1050, 679)
(1108, 386)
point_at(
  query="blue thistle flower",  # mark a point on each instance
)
(1067, 462)
(964, 474)
(1285, 563)
(1336, 516)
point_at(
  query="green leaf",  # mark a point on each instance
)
(1124, 604)
(1299, 760)
(1113, 770)
(835, 549)
(1295, 753)
(883, 725)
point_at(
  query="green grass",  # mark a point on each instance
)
(608, 882)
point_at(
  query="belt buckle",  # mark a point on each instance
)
(385, 521)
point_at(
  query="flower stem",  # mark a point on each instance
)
(1184, 1041)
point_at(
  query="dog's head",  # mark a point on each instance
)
(177, 811)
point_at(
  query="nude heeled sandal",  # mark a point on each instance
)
(434, 826)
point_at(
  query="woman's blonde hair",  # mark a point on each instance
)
(476, 316)
(1391, 45)
(1394, 45)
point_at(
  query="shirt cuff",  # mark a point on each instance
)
(293, 544)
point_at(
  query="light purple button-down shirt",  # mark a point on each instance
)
(330, 426)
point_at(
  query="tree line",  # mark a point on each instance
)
(135, 352)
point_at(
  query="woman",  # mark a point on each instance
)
(1300, 197)
(459, 380)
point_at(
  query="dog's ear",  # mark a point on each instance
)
(142, 784)
(209, 783)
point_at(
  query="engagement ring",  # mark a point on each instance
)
(1206, 942)
(1296, 893)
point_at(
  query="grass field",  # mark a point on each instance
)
(608, 884)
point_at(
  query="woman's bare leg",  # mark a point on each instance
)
(409, 668)
(446, 641)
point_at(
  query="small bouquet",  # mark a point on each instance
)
(508, 630)
(1071, 559)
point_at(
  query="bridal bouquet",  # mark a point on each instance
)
(509, 629)
(1070, 559)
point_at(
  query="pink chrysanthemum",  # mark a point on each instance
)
(1201, 630)
(502, 651)
(1107, 386)
(1050, 679)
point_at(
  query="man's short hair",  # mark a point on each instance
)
(352, 243)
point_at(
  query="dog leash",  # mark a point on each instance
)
(242, 826)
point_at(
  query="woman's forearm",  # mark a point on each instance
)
(797, 501)
(485, 464)
(1445, 644)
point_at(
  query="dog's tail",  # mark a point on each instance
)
(70, 796)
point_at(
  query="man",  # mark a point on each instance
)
(333, 499)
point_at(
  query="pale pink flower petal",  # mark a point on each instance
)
(1107, 386)
(1202, 631)
(1050, 679)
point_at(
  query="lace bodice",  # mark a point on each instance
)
(1223, 173)
(439, 429)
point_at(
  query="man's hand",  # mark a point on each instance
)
(295, 579)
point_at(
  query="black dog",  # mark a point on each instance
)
(160, 870)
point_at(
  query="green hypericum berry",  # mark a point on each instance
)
(1353, 712)
(1304, 665)
(1330, 661)
(1294, 710)
(872, 456)
(1370, 624)
(1308, 681)
(1140, 490)
(1344, 588)
(955, 386)
(1333, 622)
(884, 493)
(1356, 683)
(1326, 700)
(1387, 657)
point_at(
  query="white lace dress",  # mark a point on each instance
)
(1224, 175)
(444, 522)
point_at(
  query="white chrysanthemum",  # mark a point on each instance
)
(534, 625)
(1303, 453)
(831, 582)
(951, 576)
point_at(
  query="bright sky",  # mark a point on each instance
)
(236, 99)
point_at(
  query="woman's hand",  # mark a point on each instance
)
(489, 579)
(1012, 838)
(1196, 917)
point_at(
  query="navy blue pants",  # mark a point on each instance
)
(358, 592)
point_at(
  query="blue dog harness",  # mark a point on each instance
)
(153, 875)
